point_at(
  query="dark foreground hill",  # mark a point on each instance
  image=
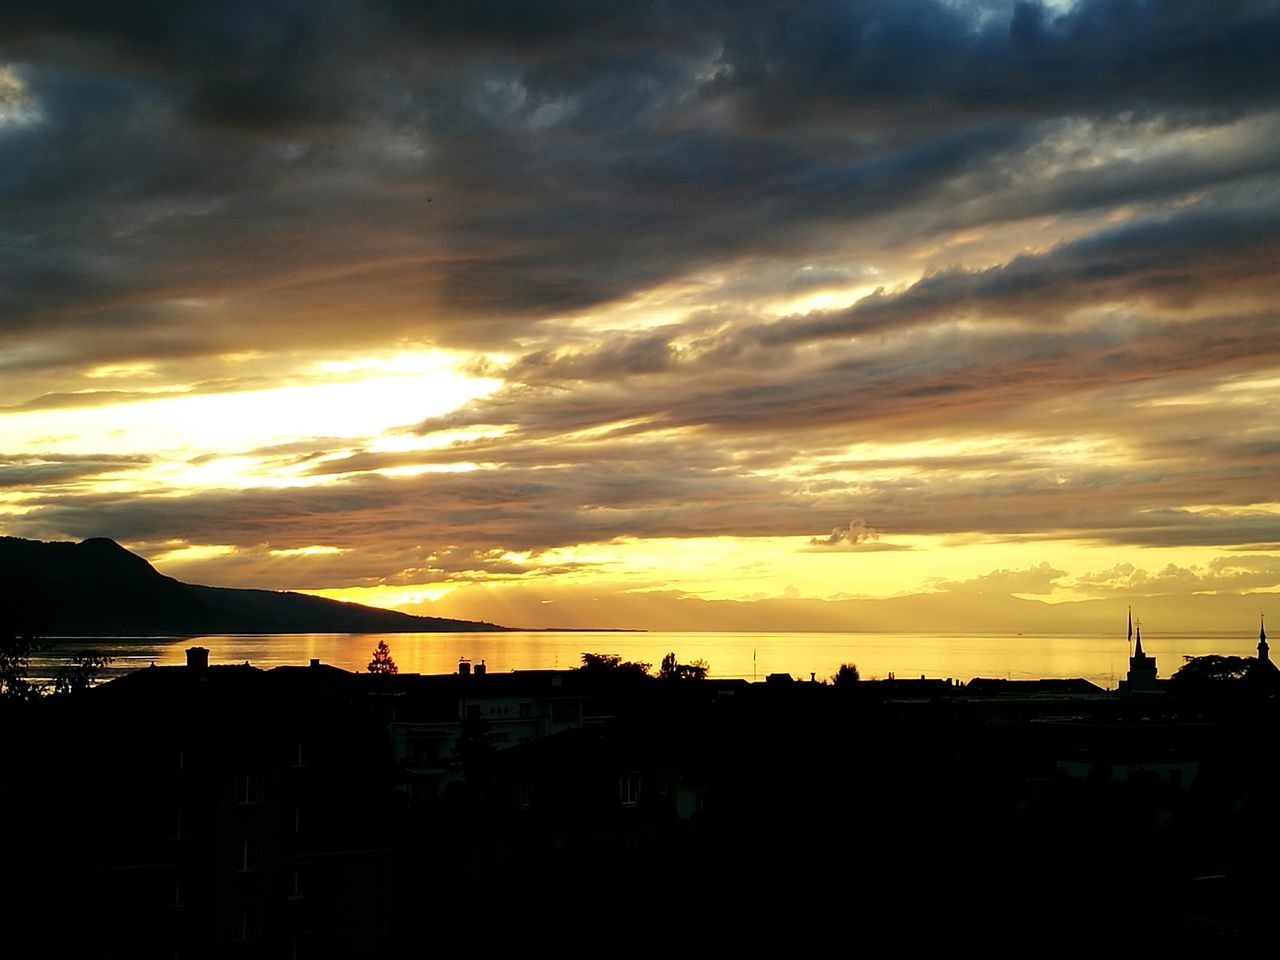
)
(98, 588)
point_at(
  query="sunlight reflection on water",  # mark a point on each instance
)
(1101, 659)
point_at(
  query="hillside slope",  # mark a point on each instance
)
(98, 588)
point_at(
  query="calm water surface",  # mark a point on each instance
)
(1101, 659)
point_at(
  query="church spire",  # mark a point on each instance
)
(1264, 651)
(1142, 676)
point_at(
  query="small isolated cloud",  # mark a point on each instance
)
(857, 532)
(856, 536)
(1039, 579)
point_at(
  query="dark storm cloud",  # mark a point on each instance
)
(942, 60)
(1174, 261)
(942, 378)
(509, 162)
(1170, 262)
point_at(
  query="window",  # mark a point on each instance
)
(295, 885)
(247, 855)
(299, 756)
(179, 893)
(246, 787)
(424, 751)
(526, 711)
(564, 711)
(179, 826)
(244, 925)
(629, 789)
(524, 792)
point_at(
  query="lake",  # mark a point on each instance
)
(1101, 659)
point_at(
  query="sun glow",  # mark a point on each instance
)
(315, 551)
(192, 552)
(202, 440)
(393, 598)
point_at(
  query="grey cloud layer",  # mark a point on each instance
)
(201, 179)
(466, 172)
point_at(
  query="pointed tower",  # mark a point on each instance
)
(1142, 669)
(1264, 675)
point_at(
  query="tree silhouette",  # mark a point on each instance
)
(613, 663)
(15, 658)
(81, 674)
(382, 662)
(846, 675)
(671, 669)
(19, 639)
(1212, 668)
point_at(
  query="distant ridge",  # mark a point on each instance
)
(98, 588)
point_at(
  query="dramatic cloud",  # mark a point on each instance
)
(389, 294)
(250, 160)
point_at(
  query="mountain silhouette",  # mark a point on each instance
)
(98, 588)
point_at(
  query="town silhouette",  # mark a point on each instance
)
(222, 810)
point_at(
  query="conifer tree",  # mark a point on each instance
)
(382, 662)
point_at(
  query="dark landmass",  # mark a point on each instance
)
(98, 588)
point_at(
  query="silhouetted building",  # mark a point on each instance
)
(434, 720)
(308, 811)
(1142, 668)
(1263, 676)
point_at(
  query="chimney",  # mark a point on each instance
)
(464, 667)
(315, 662)
(198, 659)
(480, 669)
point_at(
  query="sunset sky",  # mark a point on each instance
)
(651, 314)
